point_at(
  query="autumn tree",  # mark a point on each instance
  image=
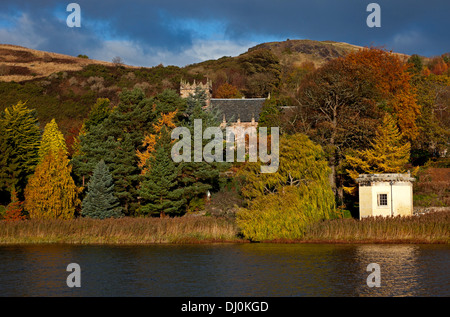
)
(150, 140)
(392, 87)
(340, 104)
(14, 210)
(335, 109)
(51, 192)
(387, 154)
(52, 140)
(19, 144)
(227, 90)
(433, 93)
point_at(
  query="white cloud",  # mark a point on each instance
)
(22, 32)
(135, 54)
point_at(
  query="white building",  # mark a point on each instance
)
(385, 195)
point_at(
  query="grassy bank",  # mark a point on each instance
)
(119, 231)
(429, 228)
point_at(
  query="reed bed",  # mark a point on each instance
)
(119, 231)
(428, 228)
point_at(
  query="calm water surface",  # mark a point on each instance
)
(225, 270)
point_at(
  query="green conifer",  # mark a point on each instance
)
(160, 192)
(19, 144)
(100, 201)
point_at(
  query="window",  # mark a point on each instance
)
(382, 200)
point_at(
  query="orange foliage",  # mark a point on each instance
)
(227, 90)
(150, 141)
(14, 209)
(438, 66)
(392, 84)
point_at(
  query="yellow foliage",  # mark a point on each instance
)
(387, 155)
(51, 192)
(149, 142)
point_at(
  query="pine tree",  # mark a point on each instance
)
(160, 192)
(51, 192)
(52, 140)
(100, 201)
(14, 209)
(19, 144)
(388, 153)
(200, 177)
(99, 112)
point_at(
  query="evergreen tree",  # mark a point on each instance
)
(52, 140)
(19, 144)
(51, 192)
(200, 177)
(99, 112)
(100, 201)
(116, 139)
(160, 191)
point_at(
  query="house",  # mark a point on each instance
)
(385, 195)
(242, 112)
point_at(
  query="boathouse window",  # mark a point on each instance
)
(382, 200)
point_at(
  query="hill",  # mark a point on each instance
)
(65, 87)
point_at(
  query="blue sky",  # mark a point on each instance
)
(181, 32)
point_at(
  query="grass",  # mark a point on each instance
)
(428, 228)
(119, 231)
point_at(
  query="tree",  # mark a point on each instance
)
(51, 192)
(392, 87)
(160, 192)
(150, 140)
(19, 144)
(52, 140)
(335, 108)
(227, 90)
(434, 124)
(197, 178)
(117, 138)
(99, 112)
(14, 209)
(388, 153)
(281, 205)
(100, 201)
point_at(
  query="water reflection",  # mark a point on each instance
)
(225, 270)
(398, 264)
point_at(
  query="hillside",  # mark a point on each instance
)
(20, 64)
(65, 87)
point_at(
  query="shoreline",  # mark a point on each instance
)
(432, 228)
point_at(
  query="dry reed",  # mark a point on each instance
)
(428, 228)
(119, 231)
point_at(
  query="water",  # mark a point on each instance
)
(228, 270)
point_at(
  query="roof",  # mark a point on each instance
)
(243, 109)
(365, 179)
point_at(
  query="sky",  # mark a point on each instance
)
(182, 32)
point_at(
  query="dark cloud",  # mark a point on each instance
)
(172, 27)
